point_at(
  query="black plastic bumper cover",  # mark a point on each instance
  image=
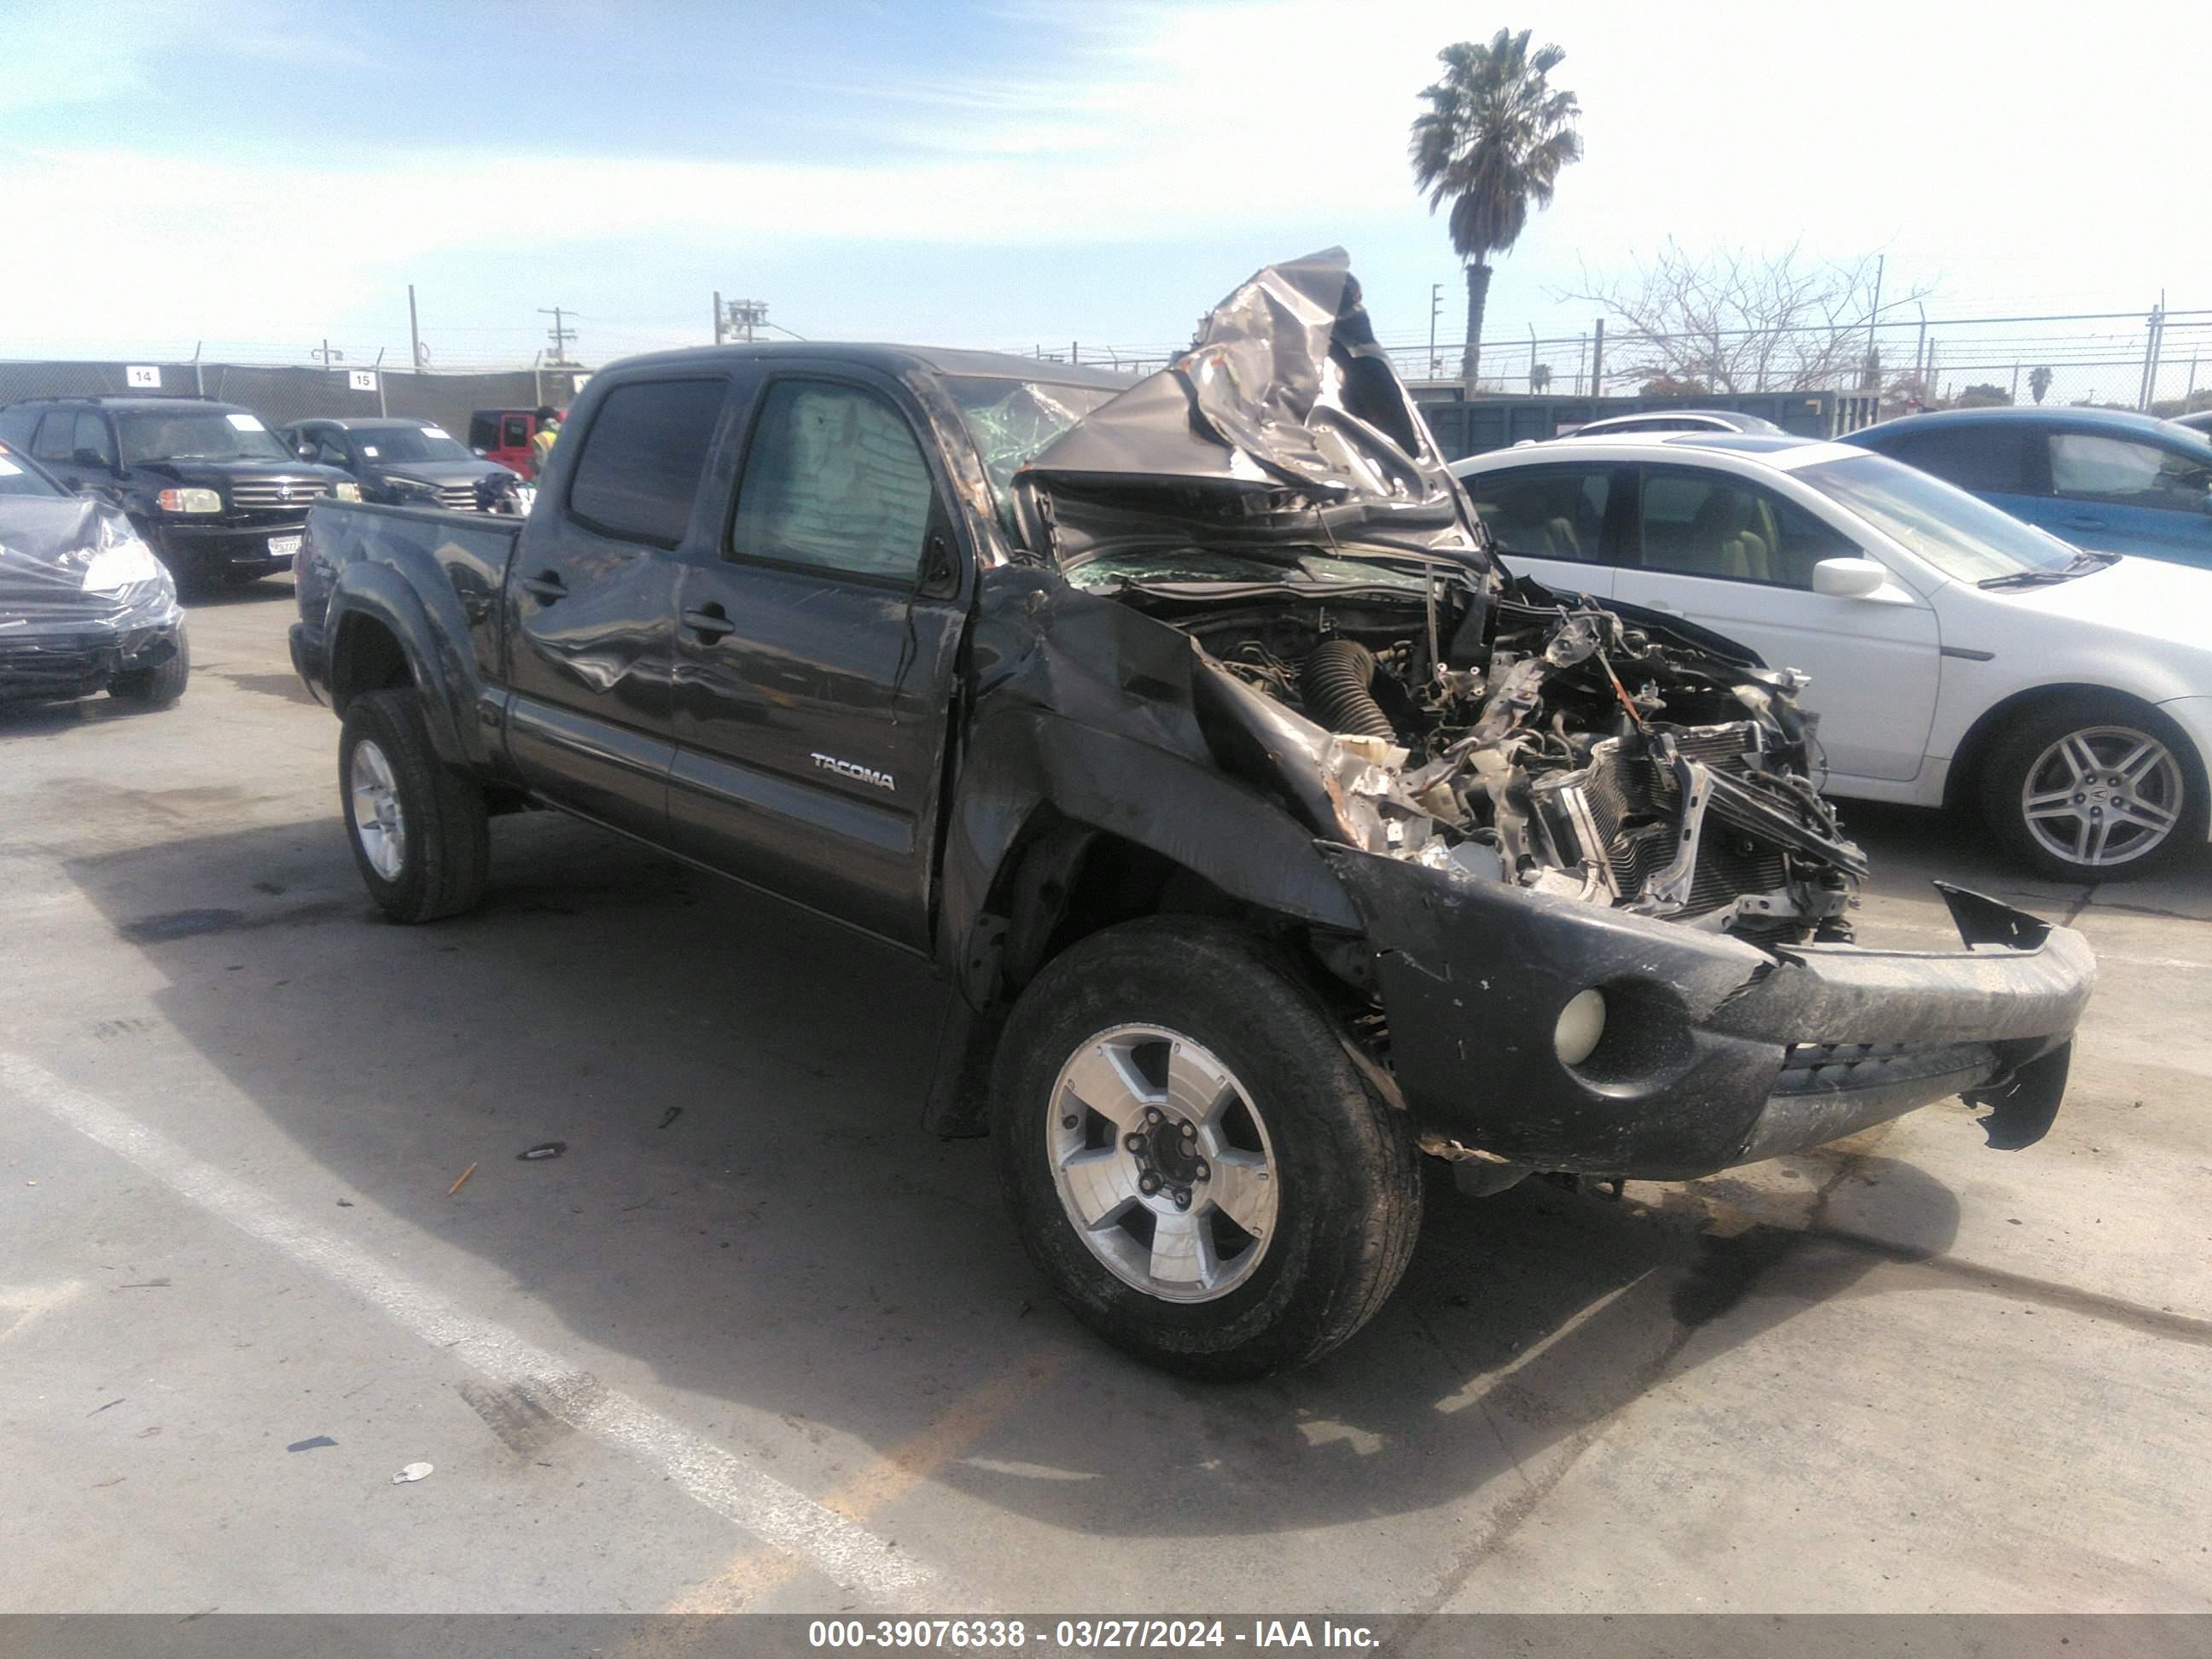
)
(1714, 1052)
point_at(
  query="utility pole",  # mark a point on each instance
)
(1873, 378)
(1920, 364)
(718, 316)
(1597, 360)
(743, 318)
(560, 334)
(328, 356)
(1436, 308)
(414, 330)
(1532, 360)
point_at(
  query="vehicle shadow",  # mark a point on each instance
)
(748, 1210)
(262, 591)
(40, 719)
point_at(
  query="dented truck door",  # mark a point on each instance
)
(591, 601)
(814, 646)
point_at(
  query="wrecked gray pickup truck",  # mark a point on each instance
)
(1269, 833)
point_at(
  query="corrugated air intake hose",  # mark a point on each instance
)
(1334, 682)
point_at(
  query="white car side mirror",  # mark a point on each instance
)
(1849, 578)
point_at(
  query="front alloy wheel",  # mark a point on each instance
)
(2098, 788)
(2103, 797)
(1195, 1158)
(1162, 1164)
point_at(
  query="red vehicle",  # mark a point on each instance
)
(504, 435)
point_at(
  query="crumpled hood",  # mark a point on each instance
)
(52, 546)
(1284, 423)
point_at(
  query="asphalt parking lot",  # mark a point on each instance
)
(757, 1342)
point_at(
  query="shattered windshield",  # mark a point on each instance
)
(1012, 420)
(1210, 565)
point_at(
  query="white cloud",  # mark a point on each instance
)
(2049, 155)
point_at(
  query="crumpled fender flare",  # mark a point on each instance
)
(1023, 762)
(433, 635)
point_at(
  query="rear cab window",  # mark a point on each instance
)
(637, 477)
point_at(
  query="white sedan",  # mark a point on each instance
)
(1956, 653)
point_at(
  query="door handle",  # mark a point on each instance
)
(1659, 604)
(545, 588)
(708, 623)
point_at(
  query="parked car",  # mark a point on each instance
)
(84, 605)
(2101, 478)
(205, 484)
(1676, 420)
(402, 463)
(504, 435)
(1956, 654)
(2200, 422)
(1194, 735)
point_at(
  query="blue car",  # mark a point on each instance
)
(2101, 478)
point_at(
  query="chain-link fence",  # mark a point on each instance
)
(2159, 361)
(282, 394)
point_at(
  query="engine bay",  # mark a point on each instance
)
(1512, 735)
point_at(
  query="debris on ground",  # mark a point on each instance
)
(414, 1471)
(310, 1446)
(462, 1183)
(542, 1149)
(671, 1115)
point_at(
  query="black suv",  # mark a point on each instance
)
(210, 487)
(400, 462)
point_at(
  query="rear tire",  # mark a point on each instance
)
(2094, 788)
(1128, 1038)
(161, 685)
(417, 828)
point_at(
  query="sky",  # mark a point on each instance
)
(1014, 174)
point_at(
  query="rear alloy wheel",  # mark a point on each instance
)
(2096, 790)
(1195, 1161)
(419, 829)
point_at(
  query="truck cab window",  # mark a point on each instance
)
(835, 480)
(643, 456)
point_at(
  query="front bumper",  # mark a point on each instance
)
(58, 662)
(1714, 1052)
(239, 544)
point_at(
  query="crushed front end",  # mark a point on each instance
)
(1606, 911)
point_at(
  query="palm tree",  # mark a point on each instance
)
(2038, 381)
(1492, 140)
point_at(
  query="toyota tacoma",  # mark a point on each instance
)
(1270, 833)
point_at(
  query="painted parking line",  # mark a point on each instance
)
(722, 1481)
(965, 1420)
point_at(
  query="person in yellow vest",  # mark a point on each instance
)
(541, 442)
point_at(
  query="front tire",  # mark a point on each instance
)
(418, 829)
(1196, 1164)
(2095, 788)
(161, 685)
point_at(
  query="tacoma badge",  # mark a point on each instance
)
(854, 769)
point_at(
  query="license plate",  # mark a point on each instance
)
(284, 547)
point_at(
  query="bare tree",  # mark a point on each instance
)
(1740, 321)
